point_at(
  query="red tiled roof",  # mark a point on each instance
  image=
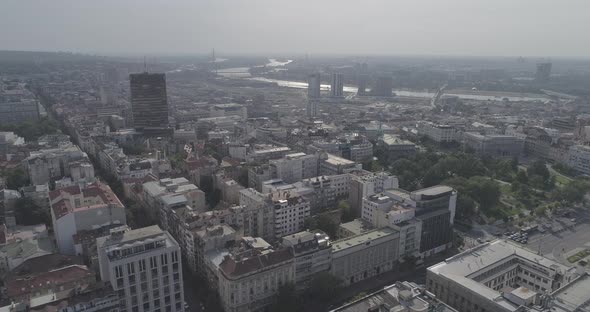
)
(71, 190)
(233, 268)
(63, 206)
(24, 285)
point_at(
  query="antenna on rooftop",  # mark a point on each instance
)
(144, 64)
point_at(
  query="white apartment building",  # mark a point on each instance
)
(144, 267)
(257, 215)
(579, 158)
(437, 133)
(364, 183)
(51, 164)
(295, 167)
(74, 209)
(167, 192)
(290, 211)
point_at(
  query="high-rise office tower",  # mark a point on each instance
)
(383, 86)
(144, 267)
(543, 71)
(337, 87)
(312, 108)
(313, 86)
(149, 102)
(362, 84)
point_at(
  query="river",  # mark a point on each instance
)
(244, 73)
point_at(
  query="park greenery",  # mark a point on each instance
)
(15, 178)
(32, 130)
(499, 188)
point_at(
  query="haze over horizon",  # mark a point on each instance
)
(420, 27)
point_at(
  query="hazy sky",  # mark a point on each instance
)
(547, 28)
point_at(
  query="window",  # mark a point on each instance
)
(130, 268)
(164, 259)
(153, 262)
(118, 271)
(174, 256)
(141, 265)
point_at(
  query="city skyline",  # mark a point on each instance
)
(426, 27)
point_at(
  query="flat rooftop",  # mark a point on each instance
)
(132, 236)
(357, 226)
(434, 190)
(338, 161)
(361, 239)
(472, 261)
(394, 140)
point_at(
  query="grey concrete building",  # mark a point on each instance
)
(494, 145)
(366, 255)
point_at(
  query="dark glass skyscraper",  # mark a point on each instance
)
(149, 102)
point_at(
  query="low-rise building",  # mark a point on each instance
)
(75, 209)
(8, 200)
(494, 145)
(392, 148)
(312, 252)
(46, 279)
(249, 276)
(579, 158)
(364, 183)
(294, 167)
(48, 165)
(360, 257)
(168, 192)
(206, 239)
(22, 243)
(501, 276)
(333, 165)
(436, 132)
(401, 296)
(354, 227)
(39, 194)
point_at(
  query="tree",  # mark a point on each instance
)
(538, 167)
(28, 213)
(15, 178)
(287, 300)
(572, 192)
(323, 288)
(326, 224)
(522, 177)
(31, 131)
(138, 216)
(485, 191)
(346, 212)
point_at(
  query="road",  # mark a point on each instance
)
(564, 237)
(418, 275)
